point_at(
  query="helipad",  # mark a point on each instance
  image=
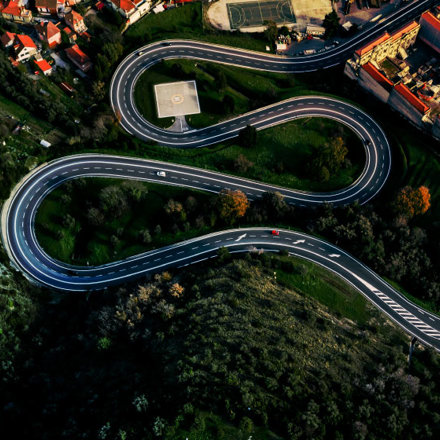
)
(176, 99)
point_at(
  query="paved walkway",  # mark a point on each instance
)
(180, 125)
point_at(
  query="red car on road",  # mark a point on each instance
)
(275, 232)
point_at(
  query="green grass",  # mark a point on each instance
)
(39, 129)
(187, 23)
(314, 281)
(279, 158)
(8, 107)
(56, 93)
(83, 243)
(282, 153)
(249, 89)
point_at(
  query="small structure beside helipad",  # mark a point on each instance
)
(176, 99)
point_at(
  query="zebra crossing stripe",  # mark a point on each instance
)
(408, 316)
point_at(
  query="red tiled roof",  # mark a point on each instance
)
(48, 29)
(7, 37)
(378, 76)
(125, 5)
(47, 4)
(408, 27)
(12, 9)
(77, 54)
(73, 16)
(43, 65)
(26, 41)
(411, 98)
(51, 30)
(432, 20)
(373, 44)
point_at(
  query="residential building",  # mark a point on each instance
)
(44, 66)
(70, 34)
(24, 47)
(75, 21)
(79, 58)
(388, 45)
(15, 12)
(48, 7)
(408, 104)
(132, 10)
(7, 39)
(49, 33)
(430, 30)
(124, 7)
(375, 82)
(408, 83)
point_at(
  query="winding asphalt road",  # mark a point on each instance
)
(18, 235)
(128, 72)
(18, 214)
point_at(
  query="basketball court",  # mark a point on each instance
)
(255, 13)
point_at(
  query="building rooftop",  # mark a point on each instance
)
(26, 41)
(12, 9)
(76, 53)
(125, 5)
(49, 4)
(373, 44)
(431, 19)
(73, 16)
(78, 57)
(43, 65)
(48, 29)
(408, 27)
(7, 37)
(378, 76)
(411, 98)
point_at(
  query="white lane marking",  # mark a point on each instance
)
(241, 237)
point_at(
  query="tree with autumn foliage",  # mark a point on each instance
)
(232, 205)
(412, 201)
(176, 290)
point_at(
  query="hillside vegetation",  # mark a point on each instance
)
(220, 352)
